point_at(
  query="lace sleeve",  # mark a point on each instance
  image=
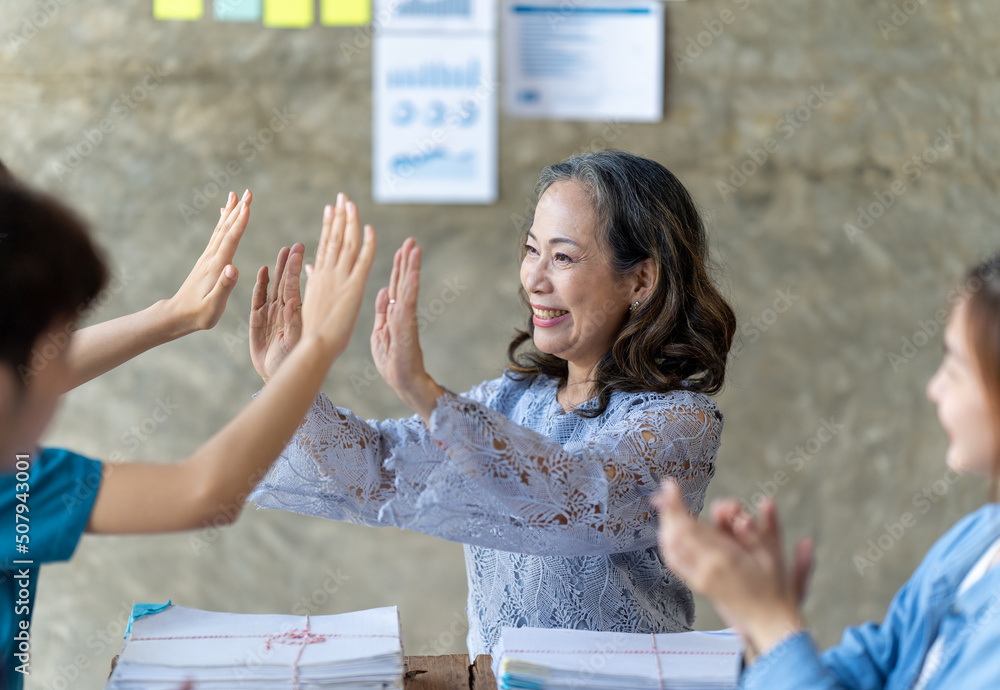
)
(336, 464)
(504, 486)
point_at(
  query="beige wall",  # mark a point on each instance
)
(824, 358)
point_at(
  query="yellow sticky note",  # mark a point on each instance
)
(346, 12)
(294, 14)
(178, 9)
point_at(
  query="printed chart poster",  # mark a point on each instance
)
(584, 60)
(436, 15)
(435, 119)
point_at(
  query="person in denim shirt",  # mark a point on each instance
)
(942, 629)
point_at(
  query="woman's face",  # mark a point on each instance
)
(579, 303)
(962, 404)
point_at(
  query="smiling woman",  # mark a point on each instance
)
(545, 473)
(620, 238)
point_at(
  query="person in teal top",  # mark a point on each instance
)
(942, 629)
(50, 273)
(59, 492)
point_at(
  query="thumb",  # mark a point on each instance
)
(292, 316)
(230, 274)
(802, 568)
(381, 308)
(224, 286)
(669, 501)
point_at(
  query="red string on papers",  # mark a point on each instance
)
(296, 636)
(659, 669)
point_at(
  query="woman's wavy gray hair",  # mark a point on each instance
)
(681, 335)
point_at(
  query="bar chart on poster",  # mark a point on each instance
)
(441, 8)
(434, 123)
(436, 15)
(435, 101)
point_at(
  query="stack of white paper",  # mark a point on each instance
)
(230, 650)
(551, 658)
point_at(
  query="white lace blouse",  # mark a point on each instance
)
(553, 508)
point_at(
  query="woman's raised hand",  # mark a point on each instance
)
(395, 337)
(275, 319)
(202, 297)
(336, 284)
(277, 307)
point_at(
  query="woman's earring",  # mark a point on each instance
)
(635, 305)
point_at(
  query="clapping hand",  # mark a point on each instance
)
(738, 563)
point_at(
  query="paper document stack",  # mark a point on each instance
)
(539, 658)
(167, 646)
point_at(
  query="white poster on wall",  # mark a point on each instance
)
(435, 119)
(584, 60)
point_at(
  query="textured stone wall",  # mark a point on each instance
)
(783, 119)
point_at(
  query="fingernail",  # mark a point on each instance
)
(246, 193)
(340, 200)
(327, 212)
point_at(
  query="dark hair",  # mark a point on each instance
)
(49, 269)
(982, 322)
(683, 331)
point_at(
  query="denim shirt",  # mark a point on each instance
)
(890, 655)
